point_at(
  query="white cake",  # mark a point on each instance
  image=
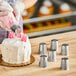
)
(15, 51)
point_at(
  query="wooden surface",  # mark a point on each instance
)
(53, 68)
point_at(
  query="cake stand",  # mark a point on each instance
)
(32, 59)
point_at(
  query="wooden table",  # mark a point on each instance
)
(53, 68)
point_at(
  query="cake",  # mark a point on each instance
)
(49, 5)
(25, 15)
(65, 8)
(16, 50)
(44, 11)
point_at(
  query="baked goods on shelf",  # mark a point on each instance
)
(46, 25)
(49, 5)
(64, 8)
(44, 11)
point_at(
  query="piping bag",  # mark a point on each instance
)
(16, 33)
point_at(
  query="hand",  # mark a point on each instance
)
(5, 8)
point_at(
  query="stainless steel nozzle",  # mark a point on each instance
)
(42, 49)
(65, 50)
(43, 61)
(52, 56)
(54, 44)
(64, 64)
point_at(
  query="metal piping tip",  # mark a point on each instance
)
(43, 61)
(65, 50)
(42, 49)
(52, 56)
(14, 27)
(65, 64)
(54, 44)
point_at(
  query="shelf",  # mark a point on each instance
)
(48, 17)
(50, 32)
(69, 16)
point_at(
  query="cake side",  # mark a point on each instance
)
(15, 51)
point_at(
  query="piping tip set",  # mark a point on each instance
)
(52, 56)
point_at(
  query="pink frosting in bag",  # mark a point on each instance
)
(22, 36)
(11, 35)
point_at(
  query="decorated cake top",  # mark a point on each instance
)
(64, 7)
(20, 36)
(15, 40)
(16, 49)
(47, 3)
(44, 10)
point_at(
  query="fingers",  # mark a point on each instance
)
(4, 27)
(3, 13)
(7, 29)
(5, 6)
(1, 25)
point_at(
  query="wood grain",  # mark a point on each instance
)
(53, 68)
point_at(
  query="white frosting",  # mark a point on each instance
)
(44, 10)
(25, 13)
(64, 7)
(15, 51)
(47, 3)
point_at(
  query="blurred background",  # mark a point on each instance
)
(50, 17)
